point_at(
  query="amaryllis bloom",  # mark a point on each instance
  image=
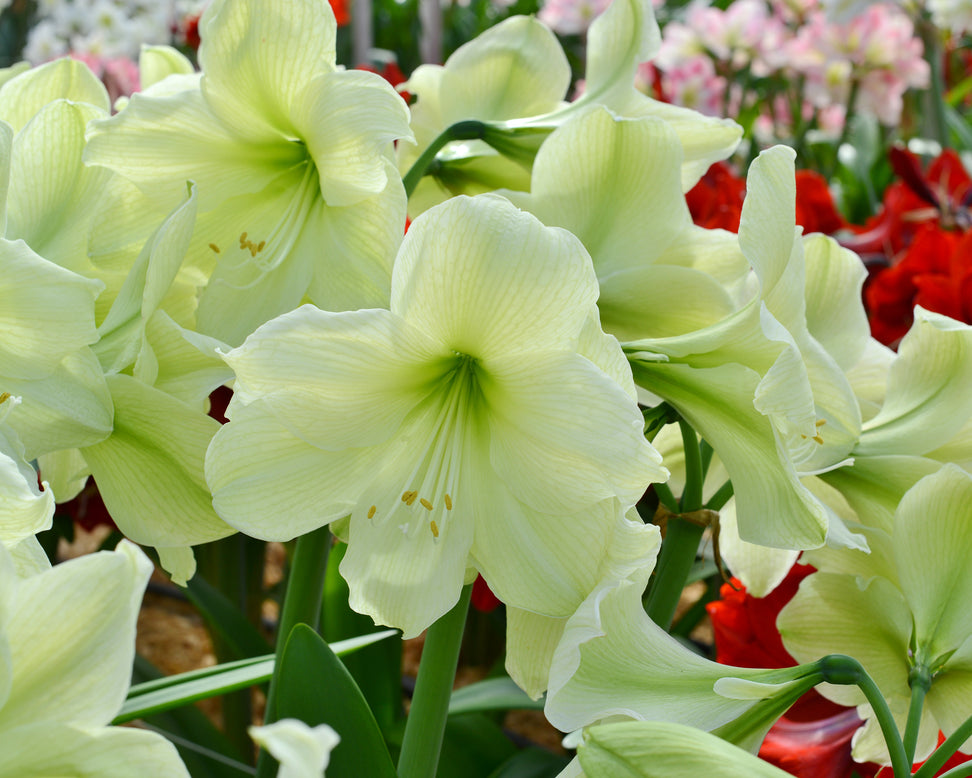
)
(303, 751)
(291, 155)
(484, 423)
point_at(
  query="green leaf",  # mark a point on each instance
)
(317, 689)
(531, 763)
(177, 690)
(492, 694)
(377, 669)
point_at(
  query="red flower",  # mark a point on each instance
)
(483, 598)
(935, 272)
(342, 11)
(815, 209)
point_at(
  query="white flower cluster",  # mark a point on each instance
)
(104, 29)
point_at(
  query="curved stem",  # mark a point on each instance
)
(302, 605)
(426, 721)
(945, 750)
(681, 539)
(920, 681)
(465, 130)
(847, 671)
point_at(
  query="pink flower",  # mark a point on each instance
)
(571, 17)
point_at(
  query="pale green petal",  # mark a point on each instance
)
(348, 120)
(516, 68)
(157, 62)
(336, 380)
(832, 614)
(868, 744)
(272, 485)
(530, 643)
(927, 398)
(22, 97)
(53, 196)
(179, 562)
(258, 56)
(619, 39)
(46, 312)
(159, 143)
(760, 568)
(614, 660)
(361, 242)
(46, 749)
(869, 377)
(303, 751)
(589, 177)
(665, 750)
(184, 363)
(932, 548)
(70, 408)
(471, 174)
(8, 586)
(948, 698)
(458, 268)
(24, 508)
(704, 139)
(555, 409)
(29, 557)
(150, 470)
(637, 304)
(774, 508)
(77, 621)
(66, 471)
(835, 316)
(404, 575)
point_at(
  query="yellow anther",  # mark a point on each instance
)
(817, 439)
(243, 240)
(409, 497)
(371, 512)
(4, 396)
(261, 244)
(252, 248)
(426, 504)
(448, 502)
(435, 529)
(821, 422)
(214, 247)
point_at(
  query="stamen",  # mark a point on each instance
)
(243, 240)
(371, 511)
(817, 439)
(821, 422)
(214, 247)
(426, 504)
(409, 497)
(448, 502)
(434, 528)
(261, 245)
(4, 396)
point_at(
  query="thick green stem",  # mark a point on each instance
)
(920, 681)
(465, 130)
(681, 539)
(945, 750)
(301, 605)
(847, 671)
(665, 497)
(962, 771)
(426, 722)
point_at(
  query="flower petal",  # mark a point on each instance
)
(24, 95)
(303, 751)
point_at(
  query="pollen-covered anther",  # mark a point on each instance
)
(817, 439)
(820, 422)
(425, 504)
(448, 502)
(435, 529)
(214, 247)
(409, 497)
(4, 396)
(243, 240)
(371, 511)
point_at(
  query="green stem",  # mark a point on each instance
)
(465, 130)
(847, 671)
(426, 722)
(945, 750)
(682, 538)
(301, 605)
(936, 92)
(920, 681)
(665, 497)
(962, 771)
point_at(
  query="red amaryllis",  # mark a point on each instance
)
(935, 272)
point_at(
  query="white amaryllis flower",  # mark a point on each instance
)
(291, 154)
(67, 641)
(484, 423)
(303, 751)
(910, 610)
(24, 508)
